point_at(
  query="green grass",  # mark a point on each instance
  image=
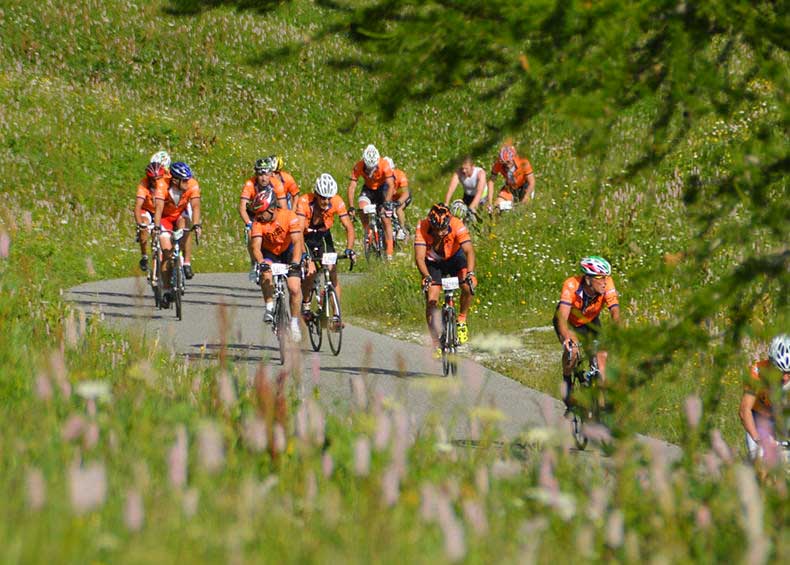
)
(90, 90)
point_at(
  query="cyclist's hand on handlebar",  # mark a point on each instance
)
(248, 227)
(262, 267)
(471, 280)
(352, 212)
(569, 344)
(157, 230)
(389, 206)
(426, 283)
(295, 268)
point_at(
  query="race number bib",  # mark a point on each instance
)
(329, 259)
(450, 283)
(279, 269)
(369, 209)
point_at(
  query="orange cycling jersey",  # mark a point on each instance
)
(759, 389)
(146, 193)
(444, 248)
(276, 235)
(514, 177)
(376, 178)
(251, 188)
(288, 182)
(315, 219)
(176, 200)
(401, 183)
(584, 308)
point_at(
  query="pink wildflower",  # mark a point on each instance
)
(177, 459)
(362, 456)
(693, 408)
(36, 488)
(87, 486)
(210, 447)
(133, 511)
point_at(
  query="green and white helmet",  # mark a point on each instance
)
(595, 266)
(161, 157)
(458, 209)
(371, 156)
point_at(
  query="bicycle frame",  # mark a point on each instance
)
(282, 310)
(585, 378)
(448, 340)
(328, 314)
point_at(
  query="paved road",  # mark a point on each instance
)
(403, 371)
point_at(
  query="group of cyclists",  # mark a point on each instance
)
(284, 226)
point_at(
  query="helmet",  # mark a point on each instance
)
(325, 186)
(180, 171)
(507, 153)
(263, 166)
(439, 216)
(371, 156)
(263, 201)
(154, 170)
(595, 265)
(779, 352)
(390, 162)
(278, 162)
(161, 157)
(458, 209)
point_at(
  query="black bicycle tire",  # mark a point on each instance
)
(577, 430)
(176, 291)
(156, 284)
(333, 327)
(444, 343)
(366, 243)
(314, 324)
(283, 328)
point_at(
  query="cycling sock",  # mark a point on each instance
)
(270, 305)
(461, 318)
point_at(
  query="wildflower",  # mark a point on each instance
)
(383, 431)
(505, 469)
(278, 439)
(227, 394)
(317, 422)
(693, 407)
(87, 486)
(36, 489)
(327, 465)
(311, 489)
(481, 480)
(703, 518)
(5, 245)
(133, 511)
(362, 456)
(43, 387)
(564, 504)
(254, 434)
(720, 446)
(73, 427)
(390, 486)
(177, 459)
(752, 516)
(615, 529)
(189, 502)
(475, 515)
(454, 544)
(91, 436)
(597, 432)
(428, 502)
(93, 390)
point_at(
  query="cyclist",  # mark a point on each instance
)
(287, 180)
(756, 412)
(318, 211)
(402, 194)
(264, 178)
(517, 173)
(277, 238)
(172, 202)
(442, 245)
(473, 181)
(378, 189)
(577, 314)
(144, 207)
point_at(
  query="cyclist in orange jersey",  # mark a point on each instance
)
(173, 205)
(277, 238)
(144, 207)
(577, 314)
(401, 194)
(287, 180)
(517, 172)
(264, 178)
(378, 189)
(317, 211)
(756, 409)
(443, 246)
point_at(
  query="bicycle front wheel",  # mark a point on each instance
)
(334, 322)
(283, 326)
(314, 324)
(176, 290)
(446, 341)
(155, 279)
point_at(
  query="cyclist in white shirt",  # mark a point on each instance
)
(473, 181)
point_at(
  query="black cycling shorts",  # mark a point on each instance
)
(455, 266)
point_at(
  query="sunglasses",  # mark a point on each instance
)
(599, 277)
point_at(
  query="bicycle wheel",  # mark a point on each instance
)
(283, 327)
(155, 278)
(314, 323)
(367, 244)
(176, 290)
(445, 342)
(334, 322)
(453, 341)
(576, 429)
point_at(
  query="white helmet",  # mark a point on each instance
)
(371, 156)
(161, 157)
(325, 186)
(390, 162)
(779, 352)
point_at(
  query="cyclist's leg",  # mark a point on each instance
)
(570, 358)
(432, 301)
(365, 199)
(267, 282)
(166, 243)
(329, 245)
(314, 245)
(143, 233)
(185, 221)
(386, 221)
(405, 199)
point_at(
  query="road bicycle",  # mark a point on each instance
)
(325, 313)
(374, 242)
(177, 278)
(448, 340)
(281, 317)
(588, 379)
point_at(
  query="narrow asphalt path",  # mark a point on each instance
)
(402, 371)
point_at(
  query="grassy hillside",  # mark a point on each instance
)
(91, 89)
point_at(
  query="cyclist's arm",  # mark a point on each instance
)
(390, 189)
(530, 188)
(138, 210)
(614, 311)
(563, 311)
(257, 242)
(346, 221)
(747, 417)
(419, 260)
(297, 239)
(352, 186)
(195, 210)
(160, 207)
(481, 185)
(469, 251)
(245, 217)
(450, 189)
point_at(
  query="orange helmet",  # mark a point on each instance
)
(439, 216)
(263, 201)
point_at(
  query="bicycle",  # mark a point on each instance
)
(326, 314)
(373, 243)
(588, 379)
(448, 340)
(177, 278)
(282, 312)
